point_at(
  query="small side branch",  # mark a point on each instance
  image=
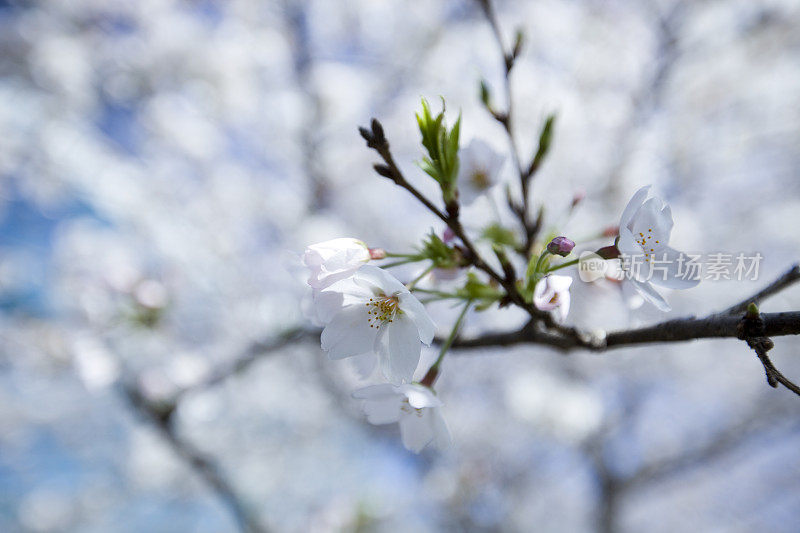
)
(506, 119)
(376, 140)
(790, 277)
(753, 330)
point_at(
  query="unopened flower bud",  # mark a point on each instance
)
(377, 253)
(560, 246)
(448, 235)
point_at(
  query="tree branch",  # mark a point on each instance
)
(677, 330)
(717, 325)
(160, 416)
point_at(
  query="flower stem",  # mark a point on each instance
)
(540, 262)
(398, 263)
(440, 294)
(563, 265)
(433, 372)
(416, 280)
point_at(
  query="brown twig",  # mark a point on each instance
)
(506, 119)
(255, 352)
(376, 140)
(160, 415)
(790, 277)
(753, 330)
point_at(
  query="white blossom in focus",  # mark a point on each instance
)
(552, 294)
(415, 407)
(334, 260)
(377, 315)
(478, 170)
(644, 232)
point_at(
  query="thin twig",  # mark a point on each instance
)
(753, 330)
(161, 417)
(255, 352)
(506, 119)
(376, 140)
(790, 277)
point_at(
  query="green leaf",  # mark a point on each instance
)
(438, 252)
(499, 234)
(475, 289)
(441, 145)
(545, 139)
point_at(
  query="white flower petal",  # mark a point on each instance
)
(364, 364)
(478, 157)
(540, 291)
(441, 434)
(650, 294)
(416, 430)
(382, 403)
(559, 283)
(383, 411)
(348, 333)
(350, 290)
(378, 280)
(420, 396)
(666, 270)
(323, 307)
(334, 260)
(417, 312)
(374, 392)
(633, 205)
(627, 244)
(653, 222)
(563, 307)
(551, 293)
(398, 348)
(631, 295)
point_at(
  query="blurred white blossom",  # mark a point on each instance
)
(415, 407)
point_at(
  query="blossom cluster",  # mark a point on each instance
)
(369, 315)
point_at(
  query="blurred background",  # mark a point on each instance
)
(164, 163)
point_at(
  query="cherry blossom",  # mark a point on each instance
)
(644, 231)
(552, 294)
(415, 407)
(378, 315)
(479, 168)
(334, 260)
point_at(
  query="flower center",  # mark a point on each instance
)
(480, 179)
(554, 299)
(406, 408)
(382, 309)
(644, 239)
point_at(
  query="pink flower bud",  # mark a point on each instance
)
(377, 253)
(560, 246)
(448, 235)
